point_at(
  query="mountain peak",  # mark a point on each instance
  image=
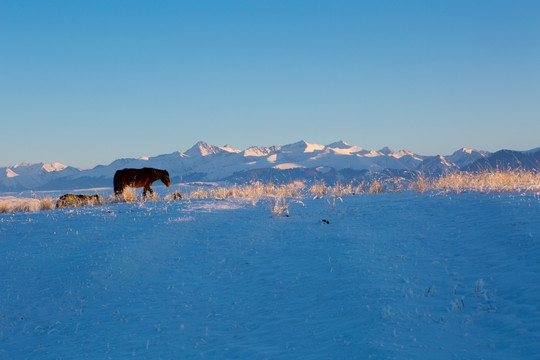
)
(10, 173)
(463, 150)
(302, 146)
(339, 145)
(386, 151)
(466, 156)
(56, 166)
(260, 150)
(203, 149)
(229, 148)
(25, 165)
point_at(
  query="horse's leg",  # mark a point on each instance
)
(118, 192)
(147, 188)
(144, 192)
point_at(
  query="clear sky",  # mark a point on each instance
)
(86, 82)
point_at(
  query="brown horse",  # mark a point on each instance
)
(138, 178)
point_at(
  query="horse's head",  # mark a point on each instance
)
(165, 178)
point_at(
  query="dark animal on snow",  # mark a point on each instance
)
(138, 178)
(68, 200)
(176, 196)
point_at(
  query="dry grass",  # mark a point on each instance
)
(252, 191)
(420, 183)
(489, 181)
(4, 208)
(129, 195)
(318, 190)
(278, 206)
(457, 182)
(26, 205)
(276, 195)
(518, 181)
(46, 203)
(395, 185)
(376, 187)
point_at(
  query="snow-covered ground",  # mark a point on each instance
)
(404, 276)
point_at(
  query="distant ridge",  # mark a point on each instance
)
(508, 159)
(301, 160)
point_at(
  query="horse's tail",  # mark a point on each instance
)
(117, 182)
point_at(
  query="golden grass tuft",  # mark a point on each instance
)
(420, 183)
(46, 203)
(376, 187)
(252, 191)
(318, 190)
(278, 206)
(517, 181)
(129, 195)
(22, 206)
(457, 182)
(489, 181)
(4, 207)
(26, 205)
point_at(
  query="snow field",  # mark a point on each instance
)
(383, 276)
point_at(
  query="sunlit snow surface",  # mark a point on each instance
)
(402, 276)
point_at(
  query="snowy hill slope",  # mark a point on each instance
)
(33, 176)
(392, 276)
(300, 160)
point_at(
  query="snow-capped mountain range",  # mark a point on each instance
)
(301, 160)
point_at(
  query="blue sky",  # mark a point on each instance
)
(87, 82)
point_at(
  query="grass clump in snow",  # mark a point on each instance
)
(420, 183)
(339, 190)
(493, 180)
(129, 194)
(46, 203)
(516, 180)
(253, 191)
(4, 207)
(331, 193)
(487, 181)
(276, 195)
(278, 206)
(15, 205)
